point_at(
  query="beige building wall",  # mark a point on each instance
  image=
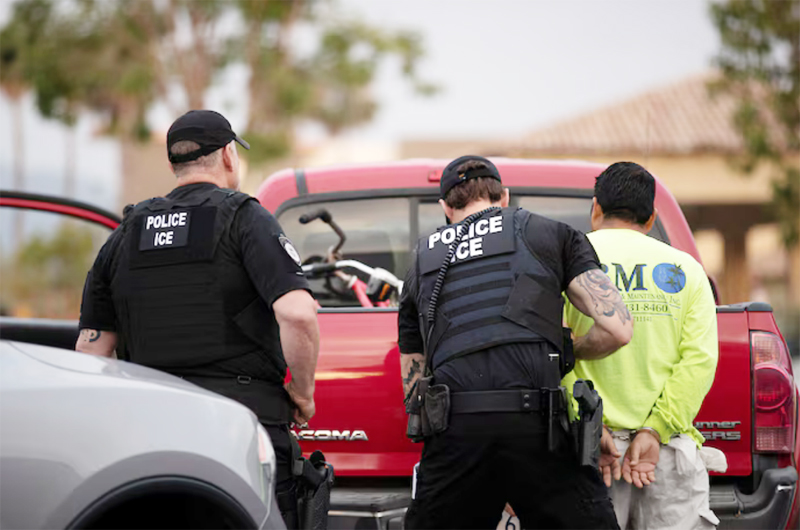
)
(448, 149)
(703, 179)
(145, 172)
(692, 179)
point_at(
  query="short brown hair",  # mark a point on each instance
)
(473, 189)
(183, 147)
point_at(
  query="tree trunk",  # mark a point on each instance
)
(18, 147)
(70, 161)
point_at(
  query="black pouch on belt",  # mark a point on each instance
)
(437, 407)
(418, 425)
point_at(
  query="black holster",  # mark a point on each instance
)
(588, 429)
(428, 408)
(314, 482)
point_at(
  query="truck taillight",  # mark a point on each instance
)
(773, 394)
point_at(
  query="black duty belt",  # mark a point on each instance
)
(241, 379)
(524, 400)
(269, 401)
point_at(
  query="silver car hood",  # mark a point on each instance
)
(76, 426)
(103, 368)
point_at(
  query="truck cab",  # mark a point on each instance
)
(750, 413)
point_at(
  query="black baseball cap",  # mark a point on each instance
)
(451, 177)
(209, 129)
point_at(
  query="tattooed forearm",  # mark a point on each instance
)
(605, 297)
(96, 342)
(595, 296)
(412, 372)
(89, 335)
(411, 365)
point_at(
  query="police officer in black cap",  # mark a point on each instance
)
(482, 350)
(203, 284)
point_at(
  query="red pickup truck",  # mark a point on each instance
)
(750, 414)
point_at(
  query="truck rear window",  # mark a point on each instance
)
(377, 233)
(381, 232)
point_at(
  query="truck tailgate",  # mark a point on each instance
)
(360, 421)
(725, 418)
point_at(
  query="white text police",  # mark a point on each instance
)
(162, 221)
(472, 246)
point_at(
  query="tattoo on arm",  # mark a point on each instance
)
(96, 342)
(415, 369)
(604, 295)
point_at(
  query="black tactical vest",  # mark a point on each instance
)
(180, 302)
(496, 290)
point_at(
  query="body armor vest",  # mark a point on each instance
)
(179, 297)
(496, 290)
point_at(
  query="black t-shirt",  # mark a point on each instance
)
(558, 246)
(253, 239)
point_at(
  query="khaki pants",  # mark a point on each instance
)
(679, 497)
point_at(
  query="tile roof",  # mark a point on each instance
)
(681, 118)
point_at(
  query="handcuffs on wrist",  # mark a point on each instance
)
(636, 431)
(651, 431)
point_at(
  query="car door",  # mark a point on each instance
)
(47, 245)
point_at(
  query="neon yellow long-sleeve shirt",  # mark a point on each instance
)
(661, 377)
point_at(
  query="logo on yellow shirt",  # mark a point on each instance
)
(669, 277)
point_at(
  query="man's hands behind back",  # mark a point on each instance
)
(639, 464)
(609, 458)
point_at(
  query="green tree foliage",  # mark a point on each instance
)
(80, 55)
(118, 57)
(760, 63)
(48, 273)
(19, 43)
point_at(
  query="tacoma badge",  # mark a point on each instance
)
(330, 436)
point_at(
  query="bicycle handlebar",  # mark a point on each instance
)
(322, 213)
(326, 218)
(377, 272)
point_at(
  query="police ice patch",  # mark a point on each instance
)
(165, 230)
(289, 248)
(489, 236)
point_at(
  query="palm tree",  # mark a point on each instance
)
(18, 42)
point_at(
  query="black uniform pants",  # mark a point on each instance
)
(285, 481)
(468, 473)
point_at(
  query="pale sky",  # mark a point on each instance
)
(505, 67)
(510, 66)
